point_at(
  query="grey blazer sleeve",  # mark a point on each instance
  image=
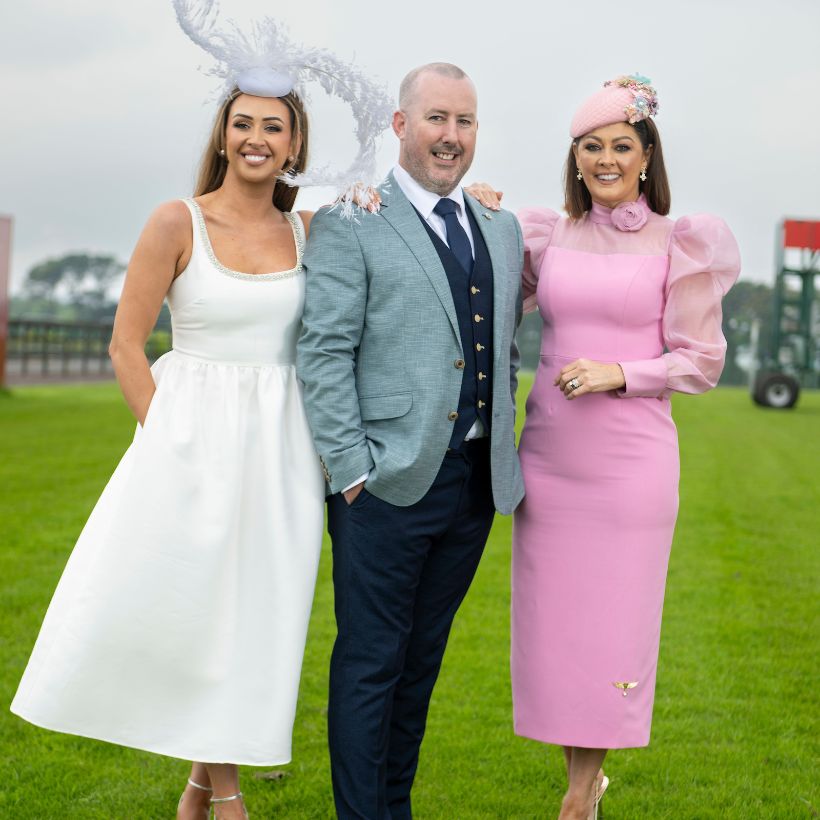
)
(335, 302)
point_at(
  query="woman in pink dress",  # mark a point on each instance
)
(631, 303)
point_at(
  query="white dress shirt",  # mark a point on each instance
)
(424, 201)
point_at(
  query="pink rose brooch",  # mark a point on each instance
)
(630, 216)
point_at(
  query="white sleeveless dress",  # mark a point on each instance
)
(179, 623)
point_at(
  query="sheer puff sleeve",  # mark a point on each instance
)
(537, 225)
(704, 262)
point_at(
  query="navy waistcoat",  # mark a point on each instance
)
(473, 300)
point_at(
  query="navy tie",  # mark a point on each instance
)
(457, 238)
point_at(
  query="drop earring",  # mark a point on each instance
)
(579, 176)
(643, 174)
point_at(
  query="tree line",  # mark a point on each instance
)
(75, 287)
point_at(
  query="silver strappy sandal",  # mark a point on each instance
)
(218, 800)
(202, 789)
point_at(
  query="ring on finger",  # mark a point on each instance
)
(573, 384)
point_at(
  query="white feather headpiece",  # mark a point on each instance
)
(267, 63)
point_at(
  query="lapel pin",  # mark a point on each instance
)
(487, 215)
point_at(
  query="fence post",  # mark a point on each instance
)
(5, 268)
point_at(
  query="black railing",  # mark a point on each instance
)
(39, 349)
(57, 349)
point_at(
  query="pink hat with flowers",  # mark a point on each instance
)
(628, 98)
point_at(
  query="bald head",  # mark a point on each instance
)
(436, 124)
(409, 85)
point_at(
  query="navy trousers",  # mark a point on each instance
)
(399, 574)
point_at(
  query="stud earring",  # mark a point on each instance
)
(579, 176)
(221, 152)
(643, 174)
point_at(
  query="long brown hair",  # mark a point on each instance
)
(577, 200)
(213, 166)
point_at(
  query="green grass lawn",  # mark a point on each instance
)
(735, 731)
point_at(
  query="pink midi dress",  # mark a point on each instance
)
(592, 537)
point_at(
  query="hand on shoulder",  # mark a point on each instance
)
(485, 194)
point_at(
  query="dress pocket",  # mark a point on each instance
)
(148, 413)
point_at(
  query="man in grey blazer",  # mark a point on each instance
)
(408, 360)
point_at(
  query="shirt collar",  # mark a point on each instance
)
(420, 198)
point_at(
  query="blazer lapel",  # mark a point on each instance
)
(398, 211)
(493, 240)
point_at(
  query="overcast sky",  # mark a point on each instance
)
(105, 112)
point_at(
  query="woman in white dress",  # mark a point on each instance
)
(179, 624)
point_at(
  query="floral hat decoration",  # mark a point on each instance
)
(267, 63)
(628, 98)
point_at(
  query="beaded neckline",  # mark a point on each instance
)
(298, 236)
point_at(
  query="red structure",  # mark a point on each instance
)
(801, 234)
(5, 268)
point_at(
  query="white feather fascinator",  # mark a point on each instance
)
(266, 63)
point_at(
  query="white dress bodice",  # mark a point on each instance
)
(250, 319)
